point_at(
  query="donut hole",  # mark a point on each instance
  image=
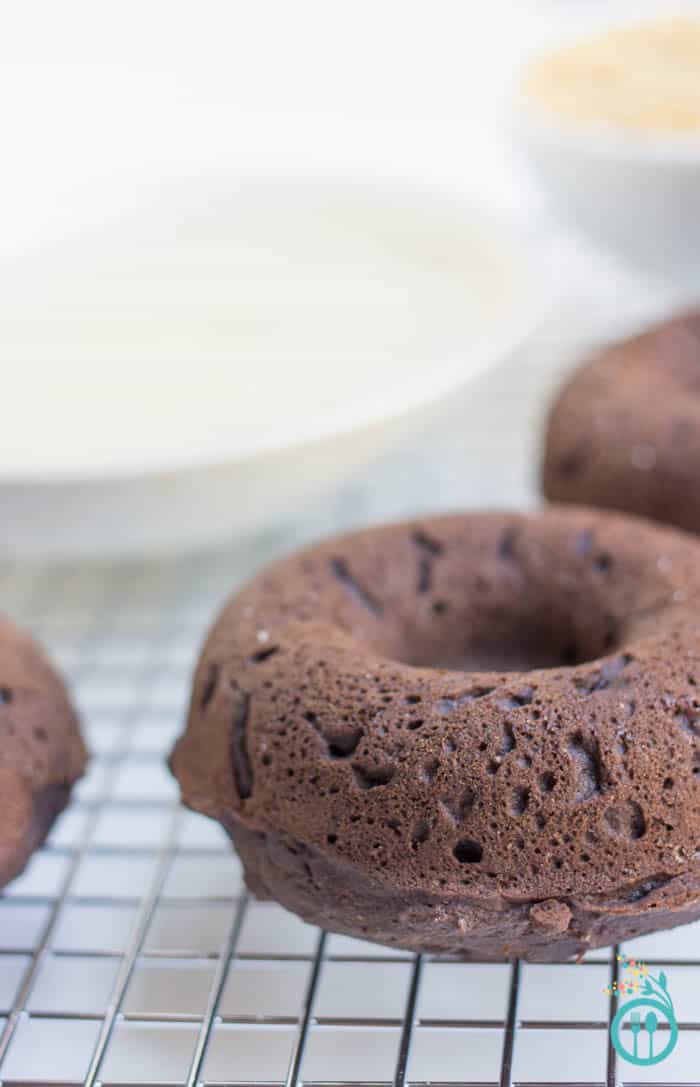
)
(505, 634)
(502, 595)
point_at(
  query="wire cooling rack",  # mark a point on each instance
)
(130, 953)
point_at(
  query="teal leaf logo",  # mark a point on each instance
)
(644, 1030)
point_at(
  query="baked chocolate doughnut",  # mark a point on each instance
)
(473, 734)
(41, 750)
(624, 432)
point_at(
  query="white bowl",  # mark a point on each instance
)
(635, 193)
(110, 447)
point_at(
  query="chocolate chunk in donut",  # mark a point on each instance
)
(498, 776)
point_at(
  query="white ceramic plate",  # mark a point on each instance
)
(201, 362)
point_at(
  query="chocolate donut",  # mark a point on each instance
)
(624, 432)
(474, 734)
(41, 750)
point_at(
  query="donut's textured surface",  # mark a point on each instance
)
(624, 432)
(41, 750)
(473, 734)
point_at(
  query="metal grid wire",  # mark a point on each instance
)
(130, 953)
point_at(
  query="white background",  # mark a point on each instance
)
(101, 98)
(97, 94)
